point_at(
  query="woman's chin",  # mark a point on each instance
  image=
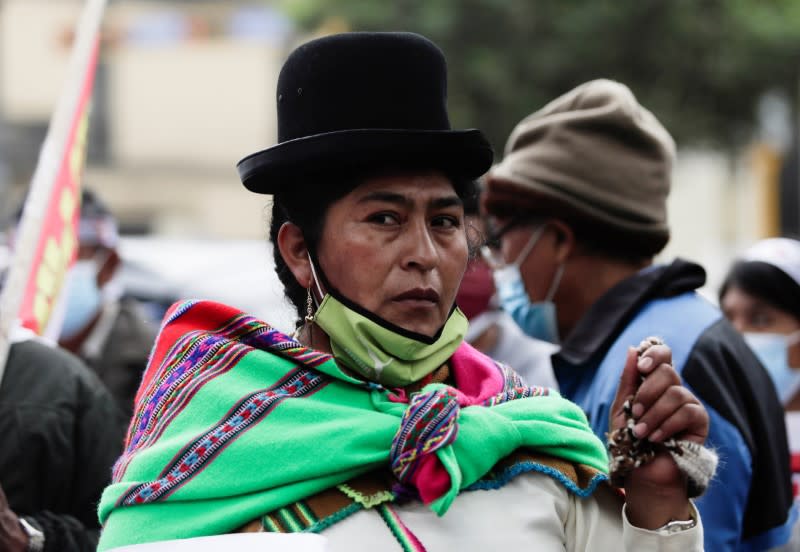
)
(424, 325)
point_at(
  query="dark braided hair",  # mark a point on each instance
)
(306, 204)
(307, 210)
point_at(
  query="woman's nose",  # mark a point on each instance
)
(421, 251)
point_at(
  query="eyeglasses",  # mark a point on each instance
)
(495, 233)
(491, 251)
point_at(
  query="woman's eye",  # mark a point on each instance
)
(384, 219)
(447, 222)
(761, 320)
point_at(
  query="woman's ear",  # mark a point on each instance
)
(293, 249)
(564, 239)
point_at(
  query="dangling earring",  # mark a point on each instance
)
(309, 306)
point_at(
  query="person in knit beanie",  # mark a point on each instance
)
(578, 210)
(491, 330)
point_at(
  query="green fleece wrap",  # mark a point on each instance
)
(198, 462)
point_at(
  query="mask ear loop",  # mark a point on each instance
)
(524, 255)
(316, 283)
(496, 264)
(534, 239)
(556, 281)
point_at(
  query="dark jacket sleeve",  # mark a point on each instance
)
(64, 533)
(726, 375)
(69, 432)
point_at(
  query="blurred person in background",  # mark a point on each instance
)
(61, 431)
(579, 205)
(491, 330)
(761, 297)
(375, 424)
(108, 329)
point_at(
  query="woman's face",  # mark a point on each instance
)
(396, 245)
(749, 314)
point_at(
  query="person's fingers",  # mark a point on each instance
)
(654, 356)
(628, 384)
(651, 423)
(659, 380)
(689, 422)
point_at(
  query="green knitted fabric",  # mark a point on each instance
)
(234, 419)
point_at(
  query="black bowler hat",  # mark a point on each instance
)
(357, 101)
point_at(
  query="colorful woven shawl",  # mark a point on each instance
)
(234, 419)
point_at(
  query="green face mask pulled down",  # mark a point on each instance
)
(381, 354)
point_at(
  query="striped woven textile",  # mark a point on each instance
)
(234, 420)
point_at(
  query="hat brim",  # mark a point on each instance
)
(461, 153)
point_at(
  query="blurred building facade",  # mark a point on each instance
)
(186, 88)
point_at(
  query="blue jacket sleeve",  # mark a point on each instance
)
(752, 493)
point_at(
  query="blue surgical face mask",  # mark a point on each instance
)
(773, 352)
(536, 319)
(84, 298)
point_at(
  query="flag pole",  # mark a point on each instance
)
(61, 133)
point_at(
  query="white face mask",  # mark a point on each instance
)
(773, 352)
(538, 319)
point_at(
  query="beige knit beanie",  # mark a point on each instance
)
(593, 153)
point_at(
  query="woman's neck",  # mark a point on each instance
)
(311, 335)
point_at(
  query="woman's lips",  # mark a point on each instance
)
(418, 297)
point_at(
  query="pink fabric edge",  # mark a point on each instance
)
(478, 378)
(431, 479)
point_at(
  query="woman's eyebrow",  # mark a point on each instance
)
(400, 199)
(447, 201)
(388, 197)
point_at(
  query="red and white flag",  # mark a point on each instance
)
(46, 242)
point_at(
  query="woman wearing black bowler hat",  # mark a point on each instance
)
(375, 424)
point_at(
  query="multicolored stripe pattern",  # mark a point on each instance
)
(511, 378)
(295, 518)
(407, 540)
(195, 359)
(514, 387)
(428, 424)
(516, 393)
(198, 454)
